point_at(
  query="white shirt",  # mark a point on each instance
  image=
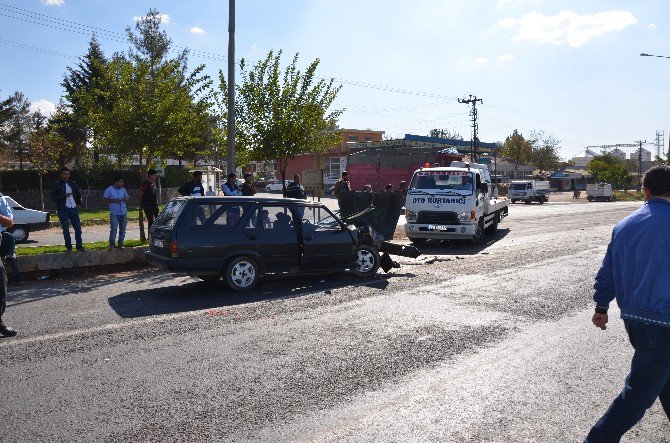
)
(69, 201)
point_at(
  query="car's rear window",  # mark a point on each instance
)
(225, 215)
(170, 214)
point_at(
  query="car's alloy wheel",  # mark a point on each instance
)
(366, 261)
(242, 274)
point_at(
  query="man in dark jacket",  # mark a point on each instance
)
(149, 197)
(194, 187)
(636, 271)
(295, 189)
(248, 189)
(67, 195)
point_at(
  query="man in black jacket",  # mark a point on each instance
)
(295, 189)
(67, 195)
(149, 196)
(194, 187)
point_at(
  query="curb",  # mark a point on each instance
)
(86, 259)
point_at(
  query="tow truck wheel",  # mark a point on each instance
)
(478, 238)
(418, 240)
(493, 227)
(366, 261)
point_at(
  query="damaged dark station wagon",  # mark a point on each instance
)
(239, 239)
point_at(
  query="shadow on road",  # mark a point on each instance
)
(460, 247)
(199, 295)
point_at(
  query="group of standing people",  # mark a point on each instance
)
(67, 195)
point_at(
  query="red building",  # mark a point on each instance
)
(332, 162)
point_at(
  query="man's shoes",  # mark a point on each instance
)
(6, 331)
(80, 248)
(121, 247)
(111, 248)
(69, 248)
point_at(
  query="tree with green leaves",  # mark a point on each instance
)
(544, 151)
(48, 150)
(146, 106)
(517, 148)
(80, 83)
(19, 127)
(445, 133)
(284, 114)
(611, 169)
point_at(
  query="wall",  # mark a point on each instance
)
(90, 199)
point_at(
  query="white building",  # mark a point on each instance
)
(616, 152)
(646, 155)
(583, 159)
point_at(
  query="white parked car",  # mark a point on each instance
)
(276, 186)
(26, 220)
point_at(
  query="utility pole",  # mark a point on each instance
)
(639, 165)
(474, 143)
(230, 148)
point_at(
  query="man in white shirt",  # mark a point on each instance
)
(67, 195)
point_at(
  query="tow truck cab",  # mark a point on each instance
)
(455, 202)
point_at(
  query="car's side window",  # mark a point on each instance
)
(278, 218)
(221, 215)
(318, 219)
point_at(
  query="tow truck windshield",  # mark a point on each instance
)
(459, 181)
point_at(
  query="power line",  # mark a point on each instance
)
(35, 48)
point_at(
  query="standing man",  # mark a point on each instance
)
(388, 188)
(8, 243)
(341, 187)
(230, 188)
(117, 196)
(248, 189)
(194, 187)
(149, 197)
(636, 271)
(67, 195)
(5, 330)
(295, 189)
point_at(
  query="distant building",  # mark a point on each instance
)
(646, 155)
(583, 159)
(570, 180)
(334, 161)
(616, 152)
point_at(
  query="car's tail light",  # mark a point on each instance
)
(174, 248)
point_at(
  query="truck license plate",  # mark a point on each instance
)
(437, 228)
(158, 243)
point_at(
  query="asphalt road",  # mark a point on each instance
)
(492, 343)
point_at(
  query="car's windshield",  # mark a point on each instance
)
(170, 214)
(442, 180)
(519, 186)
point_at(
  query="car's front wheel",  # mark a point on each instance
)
(242, 273)
(366, 261)
(20, 233)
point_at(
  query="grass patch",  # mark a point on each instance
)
(94, 246)
(628, 196)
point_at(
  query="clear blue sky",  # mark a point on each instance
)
(571, 68)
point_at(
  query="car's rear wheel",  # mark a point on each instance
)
(366, 261)
(20, 233)
(242, 273)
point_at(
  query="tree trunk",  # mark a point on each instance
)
(143, 236)
(41, 190)
(283, 165)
